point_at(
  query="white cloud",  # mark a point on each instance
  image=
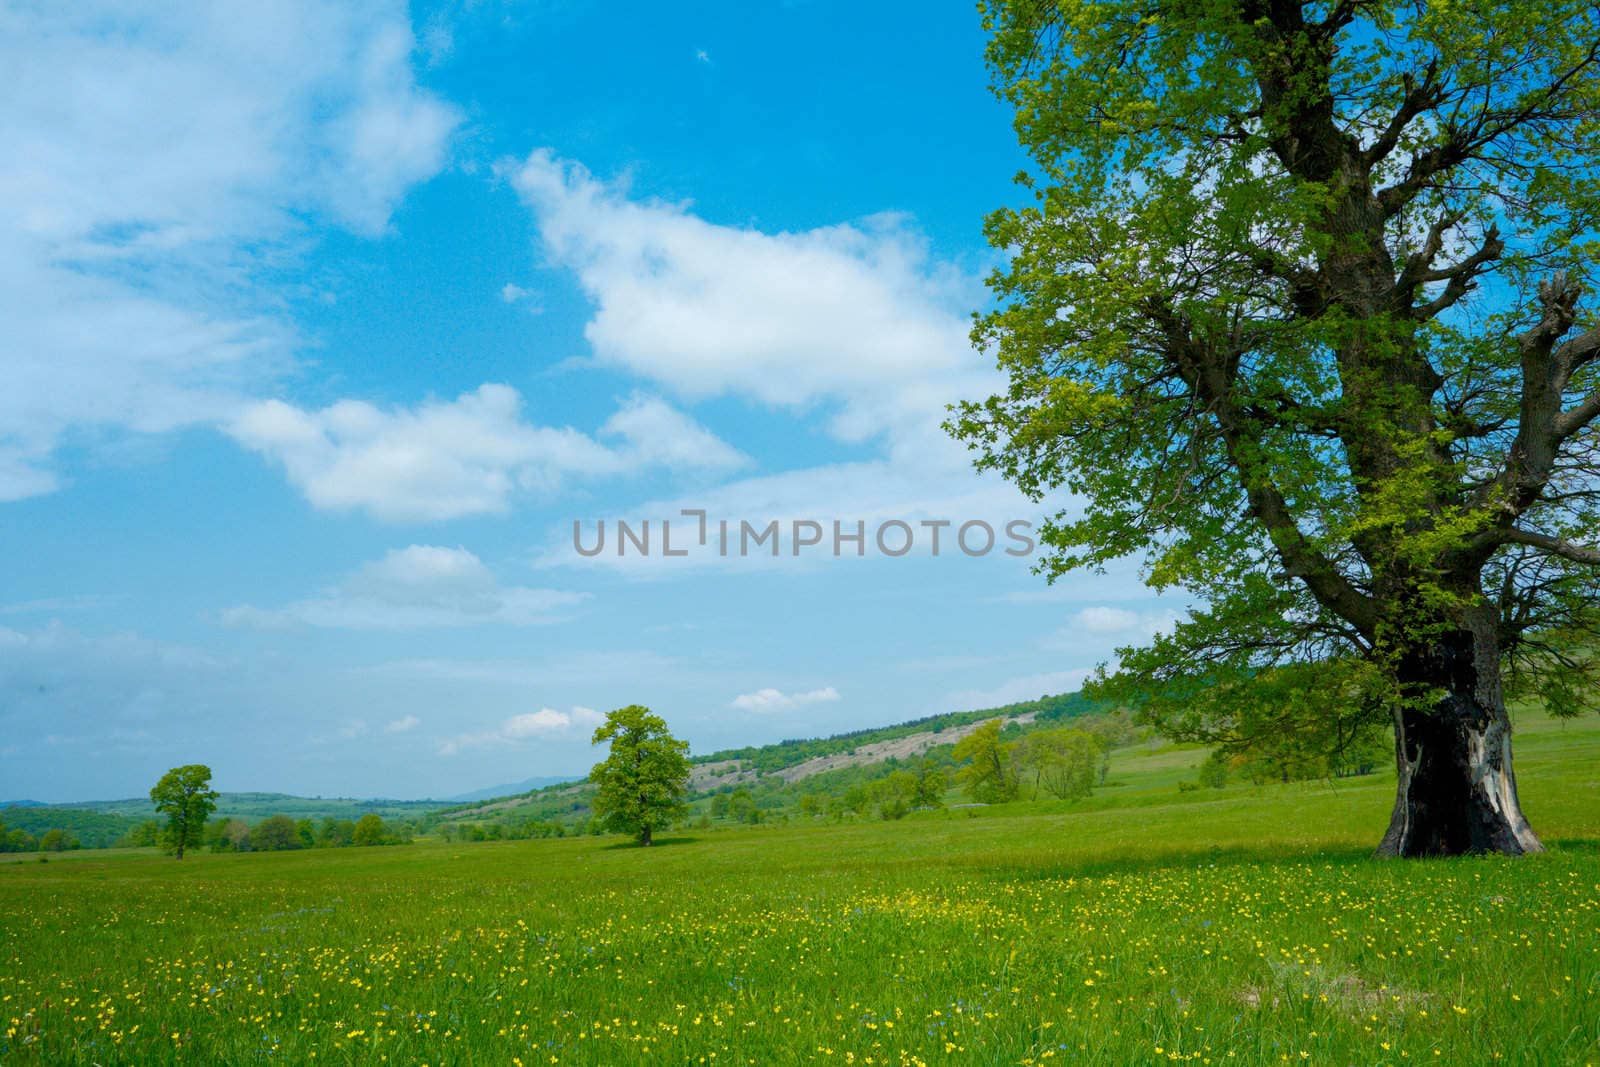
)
(855, 322)
(404, 724)
(155, 156)
(855, 316)
(418, 586)
(1106, 620)
(770, 700)
(657, 433)
(544, 723)
(448, 459)
(511, 293)
(1029, 687)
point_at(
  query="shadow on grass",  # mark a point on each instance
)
(1585, 845)
(1102, 865)
(660, 842)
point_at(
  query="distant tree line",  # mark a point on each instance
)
(280, 833)
(53, 839)
(508, 830)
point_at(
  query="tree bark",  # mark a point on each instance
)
(1457, 792)
(644, 837)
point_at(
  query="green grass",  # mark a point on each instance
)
(1246, 925)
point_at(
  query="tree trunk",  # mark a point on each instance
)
(1457, 793)
(644, 837)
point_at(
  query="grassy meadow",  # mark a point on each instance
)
(1144, 925)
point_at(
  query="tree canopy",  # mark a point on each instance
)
(989, 774)
(184, 795)
(644, 780)
(1296, 316)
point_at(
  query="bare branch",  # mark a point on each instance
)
(1554, 545)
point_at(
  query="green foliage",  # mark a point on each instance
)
(184, 795)
(1215, 770)
(1064, 763)
(276, 833)
(990, 773)
(643, 782)
(17, 840)
(92, 829)
(931, 782)
(227, 835)
(280, 833)
(369, 830)
(57, 840)
(1292, 316)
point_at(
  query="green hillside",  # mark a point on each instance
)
(768, 758)
(763, 778)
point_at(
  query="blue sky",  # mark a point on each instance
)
(326, 323)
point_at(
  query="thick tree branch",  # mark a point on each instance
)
(1459, 278)
(1531, 457)
(1577, 417)
(1210, 375)
(1556, 546)
(1419, 97)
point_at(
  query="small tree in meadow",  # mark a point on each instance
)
(644, 781)
(184, 795)
(1063, 762)
(932, 781)
(56, 839)
(369, 830)
(274, 834)
(990, 774)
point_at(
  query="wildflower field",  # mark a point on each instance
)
(1246, 925)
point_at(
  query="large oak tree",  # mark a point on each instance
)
(1297, 315)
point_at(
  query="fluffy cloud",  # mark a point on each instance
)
(1106, 620)
(447, 459)
(856, 316)
(418, 586)
(546, 722)
(1029, 687)
(653, 433)
(404, 724)
(154, 154)
(856, 322)
(769, 700)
